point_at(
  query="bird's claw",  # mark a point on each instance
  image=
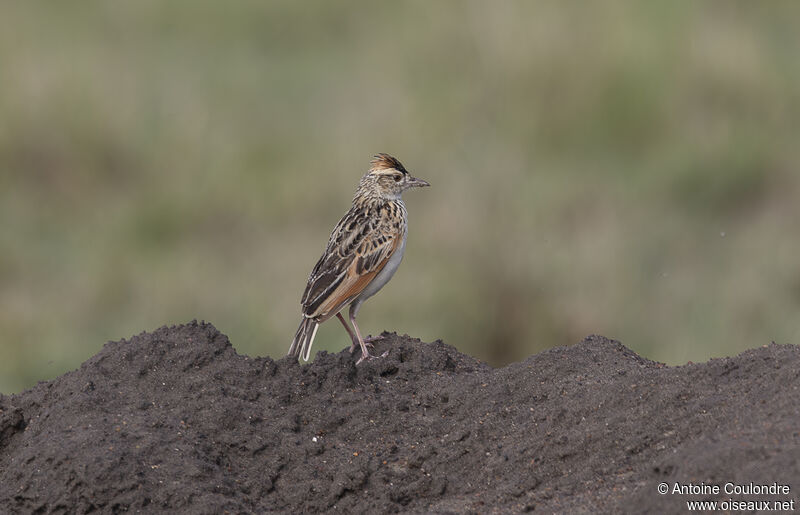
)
(367, 357)
(366, 343)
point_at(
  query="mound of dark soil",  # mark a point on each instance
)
(176, 421)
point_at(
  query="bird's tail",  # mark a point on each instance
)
(303, 338)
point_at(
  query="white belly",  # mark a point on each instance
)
(383, 276)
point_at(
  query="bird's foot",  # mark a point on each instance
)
(354, 346)
(366, 356)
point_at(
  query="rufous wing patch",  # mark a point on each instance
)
(354, 283)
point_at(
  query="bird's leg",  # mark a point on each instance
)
(356, 343)
(364, 352)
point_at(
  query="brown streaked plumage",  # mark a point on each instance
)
(363, 252)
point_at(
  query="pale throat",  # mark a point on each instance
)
(393, 196)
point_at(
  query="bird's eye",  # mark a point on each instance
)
(397, 178)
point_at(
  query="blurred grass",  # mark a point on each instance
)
(623, 168)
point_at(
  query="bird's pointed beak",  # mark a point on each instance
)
(418, 183)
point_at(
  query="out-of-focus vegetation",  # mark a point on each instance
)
(629, 169)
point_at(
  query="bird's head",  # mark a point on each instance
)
(387, 179)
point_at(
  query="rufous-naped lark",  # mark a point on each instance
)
(363, 253)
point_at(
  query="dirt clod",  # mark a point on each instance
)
(175, 420)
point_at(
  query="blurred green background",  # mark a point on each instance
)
(622, 168)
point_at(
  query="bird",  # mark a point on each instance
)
(363, 253)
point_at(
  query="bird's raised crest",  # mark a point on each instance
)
(386, 162)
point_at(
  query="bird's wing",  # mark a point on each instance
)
(359, 248)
